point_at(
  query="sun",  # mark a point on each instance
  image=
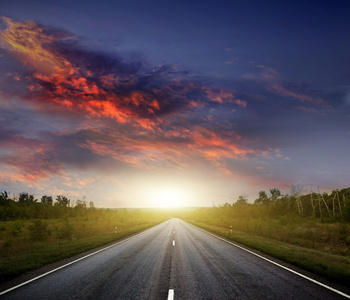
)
(169, 197)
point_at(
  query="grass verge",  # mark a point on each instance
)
(333, 267)
(41, 253)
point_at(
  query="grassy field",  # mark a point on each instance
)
(29, 244)
(312, 248)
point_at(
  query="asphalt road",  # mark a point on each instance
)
(172, 260)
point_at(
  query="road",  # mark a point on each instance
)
(173, 260)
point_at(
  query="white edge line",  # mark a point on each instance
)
(277, 264)
(171, 294)
(70, 263)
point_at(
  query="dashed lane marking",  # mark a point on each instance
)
(171, 294)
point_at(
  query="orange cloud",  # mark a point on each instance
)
(27, 41)
(142, 105)
(62, 82)
(102, 86)
(179, 148)
(222, 96)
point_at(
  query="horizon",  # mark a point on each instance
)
(124, 105)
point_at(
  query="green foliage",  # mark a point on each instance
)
(3, 197)
(65, 231)
(262, 199)
(47, 200)
(332, 237)
(16, 228)
(91, 205)
(325, 207)
(333, 267)
(39, 231)
(275, 194)
(25, 197)
(29, 244)
(315, 221)
(62, 201)
(242, 200)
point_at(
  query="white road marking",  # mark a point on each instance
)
(72, 262)
(171, 294)
(174, 232)
(173, 242)
(277, 264)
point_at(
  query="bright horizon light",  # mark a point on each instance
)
(168, 197)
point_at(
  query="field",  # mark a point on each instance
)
(319, 247)
(29, 244)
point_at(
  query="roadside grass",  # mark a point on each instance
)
(333, 267)
(26, 245)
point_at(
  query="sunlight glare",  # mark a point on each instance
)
(169, 197)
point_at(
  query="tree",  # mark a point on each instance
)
(4, 196)
(47, 200)
(91, 205)
(275, 194)
(62, 201)
(80, 204)
(295, 191)
(242, 200)
(263, 199)
(25, 197)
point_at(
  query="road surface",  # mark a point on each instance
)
(173, 260)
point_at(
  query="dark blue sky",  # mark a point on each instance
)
(206, 99)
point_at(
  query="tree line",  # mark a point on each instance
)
(26, 206)
(324, 206)
(331, 206)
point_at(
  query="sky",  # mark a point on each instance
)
(173, 103)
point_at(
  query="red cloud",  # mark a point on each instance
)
(99, 85)
(141, 104)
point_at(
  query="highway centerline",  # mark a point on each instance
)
(200, 267)
(171, 294)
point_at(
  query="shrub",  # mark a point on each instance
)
(39, 231)
(66, 231)
(16, 228)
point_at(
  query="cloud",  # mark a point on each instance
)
(273, 83)
(65, 74)
(116, 114)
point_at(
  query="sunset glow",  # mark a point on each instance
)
(130, 108)
(170, 197)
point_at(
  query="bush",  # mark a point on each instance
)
(16, 228)
(39, 231)
(66, 231)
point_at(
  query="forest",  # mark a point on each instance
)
(334, 206)
(323, 206)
